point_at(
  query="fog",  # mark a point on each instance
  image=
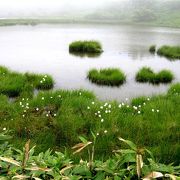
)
(24, 8)
(161, 12)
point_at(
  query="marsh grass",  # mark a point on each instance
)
(152, 49)
(15, 84)
(146, 74)
(85, 47)
(55, 119)
(12, 84)
(174, 89)
(110, 76)
(40, 81)
(171, 52)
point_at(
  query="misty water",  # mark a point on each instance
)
(44, 49)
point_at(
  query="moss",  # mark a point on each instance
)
(110, 76)
(147, 75)
(85, 47)
(171, 52)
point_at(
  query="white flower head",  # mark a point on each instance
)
(105, 131)
(4, 129)
(102, 120)
(152, 110)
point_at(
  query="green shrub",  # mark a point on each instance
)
(85, 47)
(171, 52)
(147, 75)
(152, 49)
(110, 76)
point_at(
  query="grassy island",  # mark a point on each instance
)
(147, 75)
(170, 52)
(85, 47)
(109, 76)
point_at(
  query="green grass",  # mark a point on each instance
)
(175, 89)
(109, 76)
(85, 47)
(55, 119)
(152, 49)
(40, 81)
(171, 52)
(15, 84)
(146, 74)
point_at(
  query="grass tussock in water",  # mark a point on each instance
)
(85, 47)
(152, 49)
(147, 75)
(171, 52)
(109, 76)
(13, 84)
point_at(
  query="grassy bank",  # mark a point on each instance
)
(54, 119)
(147, 75)
(110, 77)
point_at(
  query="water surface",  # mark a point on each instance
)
(44, 49)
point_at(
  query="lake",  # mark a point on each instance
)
(44, 49)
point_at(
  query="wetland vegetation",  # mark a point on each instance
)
(85, 47)
(109, 76)
(146, 74)
(77, 119)
(171, 52)
(52, 119)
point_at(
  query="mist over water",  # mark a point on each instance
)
(124, 10)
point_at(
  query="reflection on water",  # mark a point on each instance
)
(45, 49)
(83, 55)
